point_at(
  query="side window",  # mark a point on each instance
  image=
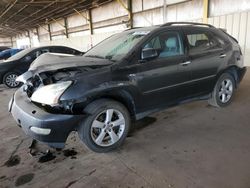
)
(44, 50)
(66, 50)
(201, 42)
(167, 44)
(40, 52)
(55, 50)
(31, 56)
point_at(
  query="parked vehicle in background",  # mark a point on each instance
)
(2, 48)
(14, 66)
(8, 53)
(124, 78)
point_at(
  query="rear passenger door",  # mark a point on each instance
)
(206, 55)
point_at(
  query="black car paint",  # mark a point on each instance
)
(27, 113)
(142, 86)
(161, 83)
(21, 65)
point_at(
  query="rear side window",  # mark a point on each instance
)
(167, 44)
(63, 50)
(201, 42)
(40, 52)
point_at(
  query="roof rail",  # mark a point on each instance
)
(186, 23)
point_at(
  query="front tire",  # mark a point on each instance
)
(223, 91)
(106, 127)
(9, 79)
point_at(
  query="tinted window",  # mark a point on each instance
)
(201, 42)
(34, 54)
(5, 54)
(20, 54)
(63, 50)
(37, 53)
(166, 44)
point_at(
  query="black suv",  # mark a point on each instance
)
(125, 78)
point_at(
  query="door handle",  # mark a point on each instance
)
(185, 63)
(222, 55)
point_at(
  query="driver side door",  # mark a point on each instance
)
(163, 79)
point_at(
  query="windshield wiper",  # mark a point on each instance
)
(95, 56)
(100, 57)
(109, 57)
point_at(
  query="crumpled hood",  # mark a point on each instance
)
(50, 62)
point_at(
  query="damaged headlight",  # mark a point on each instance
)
(50, 94)
(24, 77)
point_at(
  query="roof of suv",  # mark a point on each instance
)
(173, 24)
(187, 23)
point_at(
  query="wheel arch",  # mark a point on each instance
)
(120, 95)
(231, 70)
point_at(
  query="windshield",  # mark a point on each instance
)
(20, 55)
(117, 46)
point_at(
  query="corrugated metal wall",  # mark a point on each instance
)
(237, 25)
(5, 42)
(224, 7)
(109, 19)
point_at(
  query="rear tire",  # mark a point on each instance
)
(106, 127)
(223, 92)
(9, 79)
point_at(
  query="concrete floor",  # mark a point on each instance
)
(192, 145)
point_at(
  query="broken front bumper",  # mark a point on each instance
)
(52, 129)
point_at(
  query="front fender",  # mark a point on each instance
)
(124, 92)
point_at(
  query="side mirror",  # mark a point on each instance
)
(148, 53)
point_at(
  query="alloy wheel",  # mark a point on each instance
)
(108, 127)
(10, 80)
(226, 90)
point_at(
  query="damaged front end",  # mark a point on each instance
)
(49, 123)
(45, 89)
(45, 83)
(49, 104)
(37, 109)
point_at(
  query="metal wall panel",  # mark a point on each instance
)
(77, 20)
(228, 14)
(43, 29)
(237, 25)
(171, 14)
(242, 30)
(247, 41)
(229, 23)
(223, 7)
(5, 41)
(222, 23)
(149, 4)
(108, 11)
(148, 18)
(137, 5)
(57, 26)
(190, 10)
(216, 22)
